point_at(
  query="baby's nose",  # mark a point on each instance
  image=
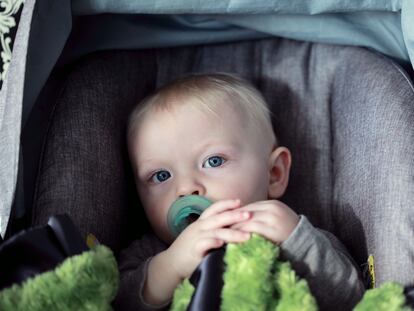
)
(188, 187)
(195, 192)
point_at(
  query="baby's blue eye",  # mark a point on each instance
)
(160, 176)
(214, 161)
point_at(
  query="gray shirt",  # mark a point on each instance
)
(316, 255)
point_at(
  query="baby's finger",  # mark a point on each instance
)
(262, 206)
(219, 207)
(230, 235)
(262, 229)
(254, 207)
(239, 225)
(268, 218)
(265, 217)
(204, 245)
(223, 219)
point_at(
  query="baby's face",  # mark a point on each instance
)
(186, 150)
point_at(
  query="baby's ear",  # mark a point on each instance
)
(279, 168)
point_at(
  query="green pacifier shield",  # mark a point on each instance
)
(184, 211)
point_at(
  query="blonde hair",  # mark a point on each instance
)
(210, 90)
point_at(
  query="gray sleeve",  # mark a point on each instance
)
(133, 267)
(321, 259)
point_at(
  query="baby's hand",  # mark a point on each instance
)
(208, 232)
(272, 219)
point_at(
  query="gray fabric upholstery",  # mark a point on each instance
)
(344, 112)
(84, 169)
(373, 169)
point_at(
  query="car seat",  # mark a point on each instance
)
(346, 113)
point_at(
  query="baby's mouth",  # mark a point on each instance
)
(192, 218)
(184, 211)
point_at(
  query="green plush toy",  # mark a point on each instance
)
(255, 282)
(88, 281)
(252, 282)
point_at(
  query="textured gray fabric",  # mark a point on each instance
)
(344, 112)
(373, 159)
(84, 171)
(320, 258)
(11, 98)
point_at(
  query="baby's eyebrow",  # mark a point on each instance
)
(146, 161)
(146, 165)
(213, 143)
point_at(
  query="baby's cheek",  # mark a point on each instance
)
(246, 191)
(257, 192)
(159, 224)
(156, 213)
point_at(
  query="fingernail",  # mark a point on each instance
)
(246, 214)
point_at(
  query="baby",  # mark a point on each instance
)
(211, 135)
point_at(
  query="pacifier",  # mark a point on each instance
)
(184, 211)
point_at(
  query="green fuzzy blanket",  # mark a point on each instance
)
(88, 281)
(254, 283)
